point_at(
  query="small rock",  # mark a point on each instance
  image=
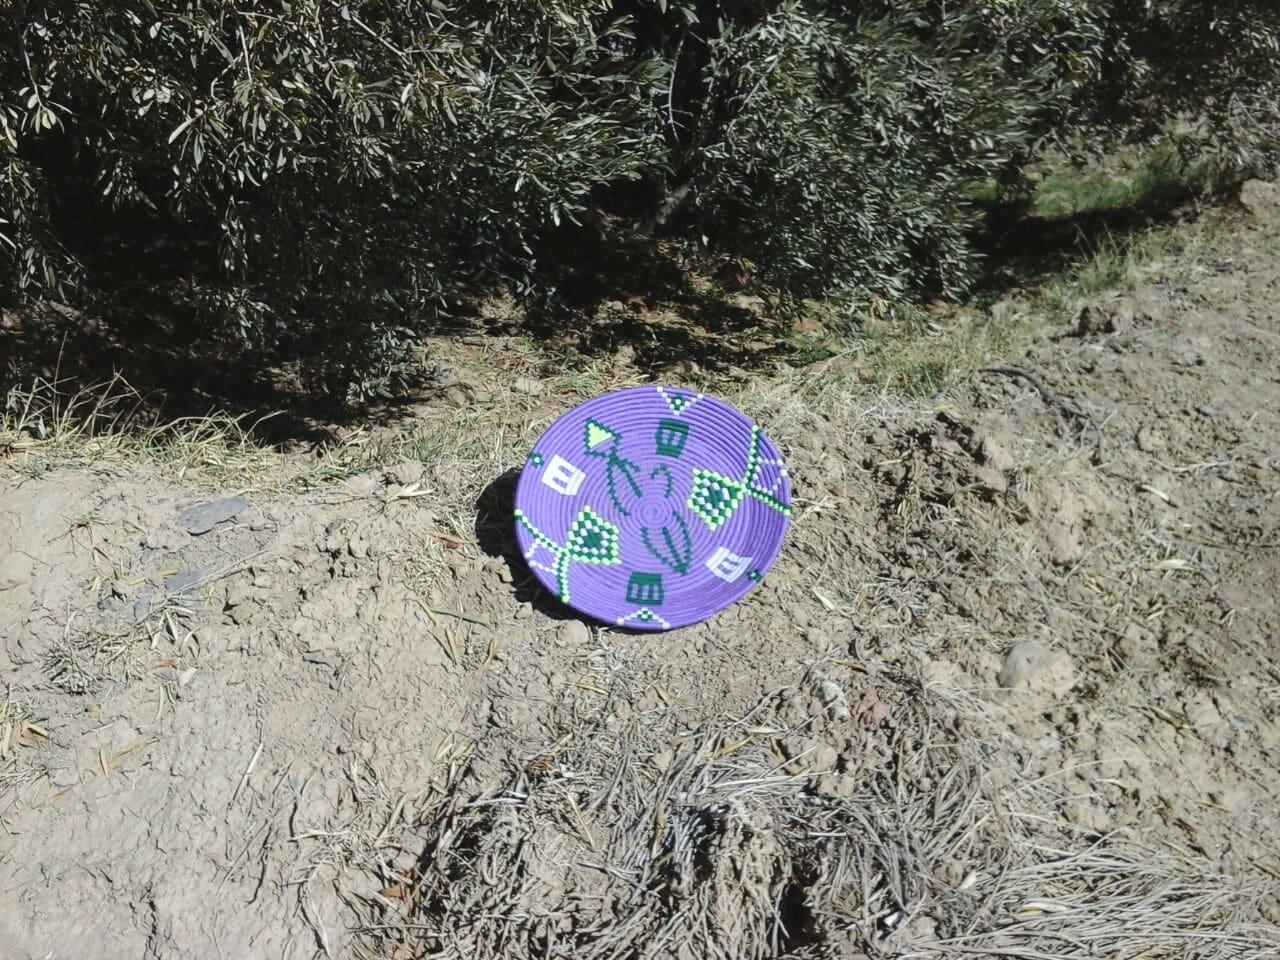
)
(1259, 197)
(810, 754)
(205, 516)
(527, 386)
(834, 699)
(573, 633)
(1033, 667)
(141, 607)
(183, 580)
(405, 472)
(835, 785)
(316, 657)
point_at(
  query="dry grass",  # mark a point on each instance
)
(54, 423)
(23, 759)
(714, 849)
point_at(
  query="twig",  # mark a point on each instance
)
(244, 780)
(1047, 395)
(462, 615)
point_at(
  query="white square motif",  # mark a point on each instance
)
(726, 565)
(562, 476)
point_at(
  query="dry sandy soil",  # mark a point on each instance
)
(1012, 690)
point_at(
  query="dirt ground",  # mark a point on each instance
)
(1012, 690)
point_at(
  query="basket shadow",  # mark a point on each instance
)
(495, 532)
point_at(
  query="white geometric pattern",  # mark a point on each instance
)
(678, 403)
(726, 565)
(644, 615)
(562, 476)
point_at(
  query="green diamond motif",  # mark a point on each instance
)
(536, 459)
(592, 539)
(714, 496)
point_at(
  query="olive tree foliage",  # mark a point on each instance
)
(333, 171)
(337, 168)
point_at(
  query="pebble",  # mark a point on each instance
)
(203, 517)
(573, 633)
(183, 580)
(527, 386)
(405, 472)
(833, 697)
(1034, 667)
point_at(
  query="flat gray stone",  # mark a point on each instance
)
(183, 580)
(203, 517)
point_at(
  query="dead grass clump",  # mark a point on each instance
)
(53, 423)
(716, 848)
(22, 739)
(1118, 897)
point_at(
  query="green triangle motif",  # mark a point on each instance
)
(597, 433)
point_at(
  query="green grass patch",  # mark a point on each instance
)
(1161, 176)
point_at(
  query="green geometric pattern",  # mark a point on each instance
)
(670, 437)
(673, 547)
(677, 403)
(645, 588)
(620, 474)
(591, 539)
(596, 433)
(714, 497)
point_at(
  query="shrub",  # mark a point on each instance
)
(333, 172)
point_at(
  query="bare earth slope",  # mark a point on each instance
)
(1012, 690)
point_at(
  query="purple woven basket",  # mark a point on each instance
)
(652, 507)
